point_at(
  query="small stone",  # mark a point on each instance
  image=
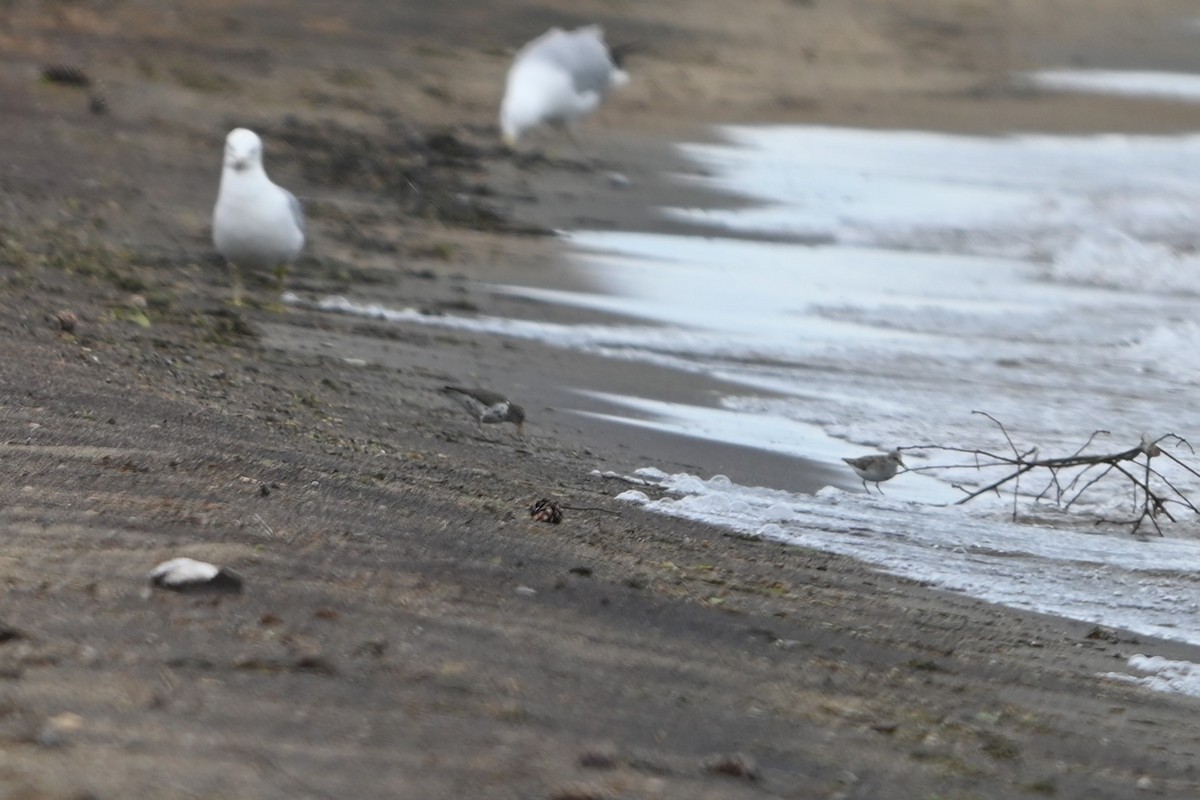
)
(54, 732)
(599, 756)
(65, 74)
(67, 722)
(66, 320)
(618, 180)
(526, 591)
(579, 791)
(1145, 784)
(48, 737)
(315, 662)
(739, 765)
(372, 647)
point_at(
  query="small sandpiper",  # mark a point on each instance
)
(877, 468)
(487, 406)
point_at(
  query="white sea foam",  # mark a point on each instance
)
(1114, 259)
(1179, 677)
(1145, 83)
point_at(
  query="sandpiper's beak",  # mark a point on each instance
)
(520, 430)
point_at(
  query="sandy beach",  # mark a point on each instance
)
(406, 629)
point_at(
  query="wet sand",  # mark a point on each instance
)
(406, 629)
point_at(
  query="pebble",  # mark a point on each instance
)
(619, 180)
(599, 756)
(67, 320)
(580, 791)
(54, 732)
(66, 74)
(738, 765)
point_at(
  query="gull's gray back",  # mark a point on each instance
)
(581, 53)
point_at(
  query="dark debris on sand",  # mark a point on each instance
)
(428, 174)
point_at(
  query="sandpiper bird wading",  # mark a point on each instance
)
(487, 406)
(877, 468)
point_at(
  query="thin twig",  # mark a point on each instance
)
(1152, 491)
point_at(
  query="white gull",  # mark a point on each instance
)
(556, 79)
(256, 224)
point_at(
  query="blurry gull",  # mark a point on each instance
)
(558, 78)
(877, 468)
(487, 406)
(256, 224)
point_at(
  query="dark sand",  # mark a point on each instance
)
(406, 630)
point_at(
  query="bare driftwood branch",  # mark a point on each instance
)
(1068, 478)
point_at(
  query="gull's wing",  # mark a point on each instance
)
(580, 53)
(297, 211)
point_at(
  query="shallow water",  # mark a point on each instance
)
(1052, 282)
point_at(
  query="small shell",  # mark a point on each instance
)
(190, 575)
